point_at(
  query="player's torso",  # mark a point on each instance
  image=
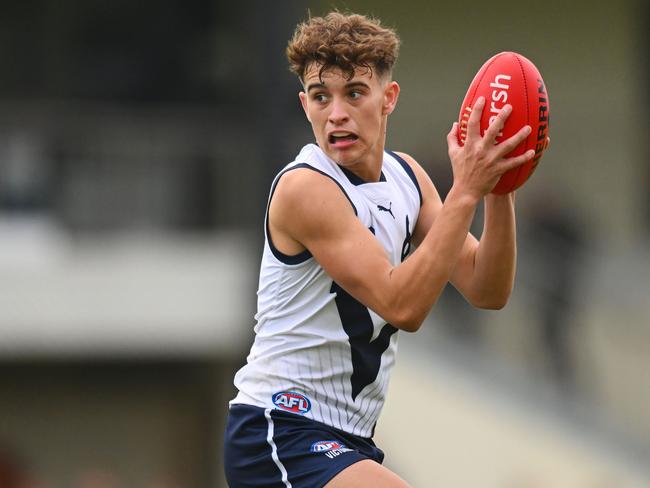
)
(318, 352)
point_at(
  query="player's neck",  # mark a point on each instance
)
(369, 168)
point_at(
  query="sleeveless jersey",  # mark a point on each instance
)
(318, 352)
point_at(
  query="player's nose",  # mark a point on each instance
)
(338, 112)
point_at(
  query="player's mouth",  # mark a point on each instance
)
(341, 139)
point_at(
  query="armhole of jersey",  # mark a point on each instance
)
(304, 255)
(409, 172)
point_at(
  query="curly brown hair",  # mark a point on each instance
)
(344, 41)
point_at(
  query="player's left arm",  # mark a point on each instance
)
(487, 272)
(485, 269)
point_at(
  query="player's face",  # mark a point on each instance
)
(348, 116)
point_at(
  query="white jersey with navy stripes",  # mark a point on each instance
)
(317, 351)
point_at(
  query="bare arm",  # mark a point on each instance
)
(496, 255)
(485, 269)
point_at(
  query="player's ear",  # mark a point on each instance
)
(303, 102)
(391, 94)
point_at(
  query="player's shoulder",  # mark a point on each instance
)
(305, 193)
(305, 179)
(310, 168)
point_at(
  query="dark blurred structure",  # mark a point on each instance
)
(645, 42)
(556, 244)
(144, 115)
(124, 52)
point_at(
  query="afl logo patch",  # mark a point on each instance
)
(326, 446)
(293, 402)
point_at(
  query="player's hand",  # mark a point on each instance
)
(478, 165)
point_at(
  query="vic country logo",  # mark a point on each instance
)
(331, 449)
(292, 402)
(384, 209)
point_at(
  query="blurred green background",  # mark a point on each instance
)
(138, 142)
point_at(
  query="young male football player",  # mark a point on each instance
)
(338, 278)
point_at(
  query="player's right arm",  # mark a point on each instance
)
(309, 210)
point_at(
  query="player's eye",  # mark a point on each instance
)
(354, 95)
(320, 97)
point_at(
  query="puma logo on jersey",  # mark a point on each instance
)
(384, 209)
(292, 402)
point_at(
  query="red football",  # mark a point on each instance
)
(510, 78)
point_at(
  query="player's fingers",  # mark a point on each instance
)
(452, 138)
(474, 122)
(515, 161)
(512, 142)
(497, 124)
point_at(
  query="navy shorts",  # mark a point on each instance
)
(271, 448)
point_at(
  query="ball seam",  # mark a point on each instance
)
(473, 95)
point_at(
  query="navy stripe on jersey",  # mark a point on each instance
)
(409, 171)
(366, 353)
(304, 255)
